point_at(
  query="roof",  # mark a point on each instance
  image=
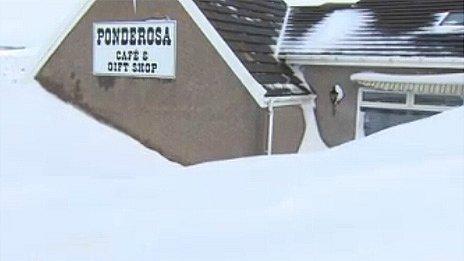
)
(244, 32)
(375, 28)
(251, 30)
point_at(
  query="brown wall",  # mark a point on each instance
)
(341, 127)
(289, 129)
(204, 114)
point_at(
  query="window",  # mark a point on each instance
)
(386, 97)
(437, 100)
(453, 19)
(378, 110)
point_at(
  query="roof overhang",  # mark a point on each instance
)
(441, 84)
(376, 61)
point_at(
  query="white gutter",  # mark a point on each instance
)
(312, 140)
(375, 61)
(290, 100)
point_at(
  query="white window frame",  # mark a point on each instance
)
(409, 105)
(444, 16)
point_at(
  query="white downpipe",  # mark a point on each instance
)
(270, 131)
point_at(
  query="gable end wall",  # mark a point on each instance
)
(204, 114)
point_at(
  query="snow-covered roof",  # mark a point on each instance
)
(375, 28)
(450, 83)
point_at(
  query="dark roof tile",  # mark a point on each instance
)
(251, 29)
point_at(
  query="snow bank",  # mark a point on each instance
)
(72, 189)
(15, 64)
(36, 24)
(40, 135)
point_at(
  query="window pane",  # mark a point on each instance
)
(388, 97)
(440, 100)
(454, 19)
(378, 119)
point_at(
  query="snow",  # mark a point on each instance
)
(344, 31)
(327, 34)
(447, 78)
(15, 64)
(353, 31)
(312, 140)
(74, 189)
(21, 26)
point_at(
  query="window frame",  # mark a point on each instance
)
(408, 105)
(445, 16)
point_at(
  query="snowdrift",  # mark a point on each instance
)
(73, 189)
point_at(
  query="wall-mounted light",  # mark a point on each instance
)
(336, 96)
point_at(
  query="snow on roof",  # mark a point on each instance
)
(449, 78)
(374, 28)
(437, 84)
(329, 33)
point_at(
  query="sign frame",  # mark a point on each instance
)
(131, 75)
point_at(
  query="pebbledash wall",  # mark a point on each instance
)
(204, 114)
(341, 127)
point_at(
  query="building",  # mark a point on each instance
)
(394, 61)
(239, 78)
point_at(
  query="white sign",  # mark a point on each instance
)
(135, 49)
